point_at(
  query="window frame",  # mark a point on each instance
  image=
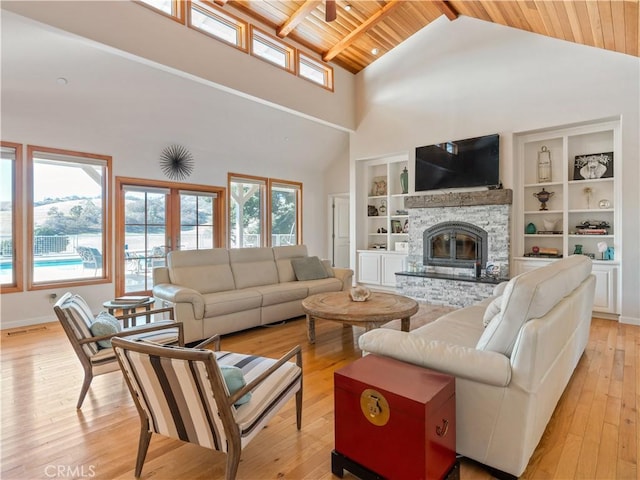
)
(208, 8)
(17, 213)
(275, 43)
(106, 276)
(303, 57)
(177, 14)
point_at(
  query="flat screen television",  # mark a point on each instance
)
(473, 162)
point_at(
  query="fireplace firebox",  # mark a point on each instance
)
(455, 244)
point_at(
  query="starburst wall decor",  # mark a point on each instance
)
(176, 162)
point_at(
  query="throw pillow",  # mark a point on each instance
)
(105, 324)
(234, 379)
(308, 268)
(492, 310)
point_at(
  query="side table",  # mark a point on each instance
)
(394, 420)
(128, 308)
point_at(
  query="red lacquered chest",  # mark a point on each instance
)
(395, 419)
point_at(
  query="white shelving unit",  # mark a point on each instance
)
(574, 200)
(382, 220)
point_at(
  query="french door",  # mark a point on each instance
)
(154, 218)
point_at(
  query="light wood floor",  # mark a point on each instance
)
(593, 433)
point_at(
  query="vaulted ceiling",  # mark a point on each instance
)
(364, 25)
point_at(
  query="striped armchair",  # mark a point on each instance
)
(76, 318)
(181, 393)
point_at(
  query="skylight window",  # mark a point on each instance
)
(217, 24)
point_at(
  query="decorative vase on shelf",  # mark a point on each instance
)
(531, 229)
(404, 180)
(543, 197)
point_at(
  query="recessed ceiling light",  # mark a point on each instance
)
(374, 51)
(62, 81)
(347, 7)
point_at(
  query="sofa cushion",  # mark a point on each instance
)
(234, 380)
(460, 327)
(532, 295)
(323, 285)
(308, 268)
(283, 256)
(282, 293)
(252, 267)
(205, 271)
(222, 303)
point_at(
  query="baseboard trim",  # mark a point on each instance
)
(630, 320)
(6, 325)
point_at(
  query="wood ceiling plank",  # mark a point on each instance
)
(349, 39)
(632, 19)
(617, 13)
(550, 20)
(574, 21)
(516, 16)
(583, 20)
(563, 18)
(473, 9)
(596, 24)
(294, 20)
(495, 12)
(606, 22)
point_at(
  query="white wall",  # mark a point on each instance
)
(129, 110)
(468, 78)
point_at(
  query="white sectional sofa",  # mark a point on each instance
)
(511, 373)
(226, 290)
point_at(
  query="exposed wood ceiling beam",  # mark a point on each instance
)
(298, 16)
(222, 3)
(446, 9)
(353, 36)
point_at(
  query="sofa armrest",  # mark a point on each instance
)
(177, 294)
(345, 275)
(482, 366)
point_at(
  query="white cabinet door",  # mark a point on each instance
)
(369, 268)
(390, 265)
(606, 291)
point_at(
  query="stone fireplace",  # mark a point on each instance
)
(448, 234)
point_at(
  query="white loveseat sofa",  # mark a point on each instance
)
(226, 290)
(511, 373)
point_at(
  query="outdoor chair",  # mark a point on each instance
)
(209, 413)
(76, 318)
(91, 258)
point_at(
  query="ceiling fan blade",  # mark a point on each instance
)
(330, 10)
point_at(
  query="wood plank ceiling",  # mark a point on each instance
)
(375, 24)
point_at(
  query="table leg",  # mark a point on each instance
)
(311, 329)
(148, 308)
(125, 321)
(404, 324)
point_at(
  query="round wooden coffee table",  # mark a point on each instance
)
(379, 309)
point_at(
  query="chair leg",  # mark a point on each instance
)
(88, 376)
(299, 408)
(143, 446)
(233, 458)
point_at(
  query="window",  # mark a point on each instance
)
(315, 71)
(10, 217)
(272, 50)
(196, 220)
(68, 217)
(221, 26)
(171, 8)
(249, 212)
(285, 208)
